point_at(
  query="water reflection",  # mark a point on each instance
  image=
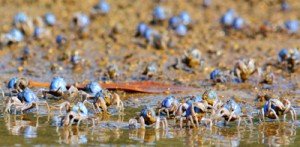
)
(72, 135)
(22, 126)
(108, 132)
(275, 134)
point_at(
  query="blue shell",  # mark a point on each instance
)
(141, 28)
(185, 17)
(283, 54)
(188, 111)
(166, 103)
(266, 109)
(181, 30)
(82, 107)
(238, 23)
(26, 50)
(148, 34)
(16, 35)
(49, 19)
(146, 109)
(292, 26)
(83, 20)
(27, 96)
(285, 6)
(159, 13)
(174, 22)
(232, 105)
(20, 17)
(212, 95)
(228, 17)
(58, 83)
(103, 7)
(60, 39)
(93, 87)
(12, 82)
(195, 99)
(215, 73)
(98, 95)
(38, 32)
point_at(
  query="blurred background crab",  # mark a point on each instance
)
(193, 58)
(148, 117)
(243, 69)
(289, 58)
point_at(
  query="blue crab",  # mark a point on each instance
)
(168, 105)
(93, 88)
(273, 108)
(148, 117)
(211, 97)
(289, 58)
(14, 36)
(159, 14)
(77, 113)
(195, 113)
(243, 69)
(57, 87)
(25, 100)
(49, 19)
(17, 84)
(231, 111)
(104, 99)
(101, 7)
(141, 28)
(217, 76)
(80, 20)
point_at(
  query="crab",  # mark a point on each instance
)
(195, 113)
(101, 8)
(243, 69)
(57, 87)
(14, 36)
(231, 111)
(273, 108)
(168, 105)
(192, 58)
(16, 85)
(212, 99)
(289, 58)
(150, 70)
(104, 99)
(113, 71)
(77, 113)
(148, 117)
(159, 15)
(80, 20)
(93, 88)
(268, 78)
(25, 100)
(217, 76)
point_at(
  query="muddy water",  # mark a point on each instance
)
(131, 56)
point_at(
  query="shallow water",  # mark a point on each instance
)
(32, 130)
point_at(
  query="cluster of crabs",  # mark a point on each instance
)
(22, 99)
(207, 109)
